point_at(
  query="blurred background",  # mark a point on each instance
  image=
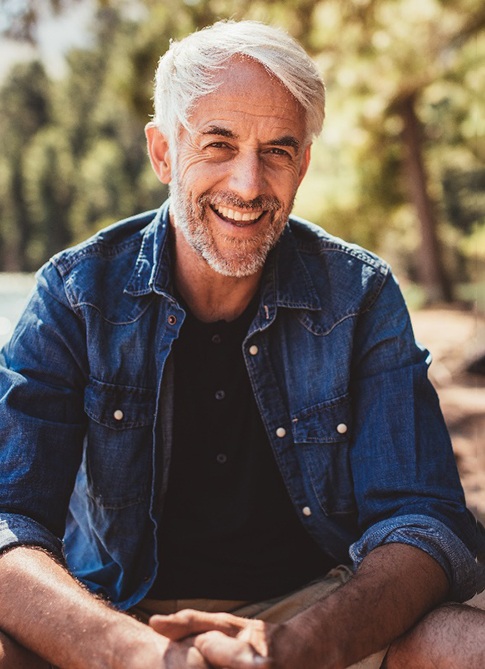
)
(399, 169)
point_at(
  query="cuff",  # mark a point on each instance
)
(465, 573)
(17, 530)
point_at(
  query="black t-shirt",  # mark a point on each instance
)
(229, 530)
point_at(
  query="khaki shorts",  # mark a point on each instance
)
(277, 610)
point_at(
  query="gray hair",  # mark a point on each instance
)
(188, 70)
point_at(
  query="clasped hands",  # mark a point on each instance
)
(202, 640)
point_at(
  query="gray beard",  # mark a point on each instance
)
(247, 256)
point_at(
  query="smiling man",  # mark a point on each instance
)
(215, 418)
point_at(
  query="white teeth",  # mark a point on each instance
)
(237, 215)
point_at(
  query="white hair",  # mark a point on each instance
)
(188, 70)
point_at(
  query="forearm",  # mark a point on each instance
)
(47, 611)
(394, 586)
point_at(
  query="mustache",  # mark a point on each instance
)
(228, 199)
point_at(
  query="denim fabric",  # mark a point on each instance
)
(342, 388)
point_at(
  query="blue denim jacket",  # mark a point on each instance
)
(342, 388)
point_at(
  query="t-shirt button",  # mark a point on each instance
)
(221, 458)
(216, 339)
(306, 511)
(342, 428)
(118, 414)
(220, 394)
(281, 432)
(253, 350)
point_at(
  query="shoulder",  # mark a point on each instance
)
(344, 275)
(312, 240)
(99, 271)
(123, 238)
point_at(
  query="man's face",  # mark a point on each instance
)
(237, 170)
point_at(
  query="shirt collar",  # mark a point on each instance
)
(152, 267)
(286, 280)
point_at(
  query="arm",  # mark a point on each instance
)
(45, 610)
(394, 586)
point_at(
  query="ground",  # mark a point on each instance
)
(455, 336)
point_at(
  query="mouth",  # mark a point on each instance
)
(238, 218)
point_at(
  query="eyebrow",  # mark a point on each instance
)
(219, 130)
(285, 140)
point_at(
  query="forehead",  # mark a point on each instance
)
(249, 96)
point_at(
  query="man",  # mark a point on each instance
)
(205, 408)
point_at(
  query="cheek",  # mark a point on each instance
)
(198, 178)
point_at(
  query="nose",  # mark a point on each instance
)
(247, 176)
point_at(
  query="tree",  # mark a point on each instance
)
(24, 111)
(404, 84)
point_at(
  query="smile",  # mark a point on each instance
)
(238, 217)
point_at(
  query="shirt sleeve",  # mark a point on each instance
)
(406, 482)
(42, 417)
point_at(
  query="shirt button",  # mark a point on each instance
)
(253, 350)
(216, 339)
(118, 414)
(306, 511)
(221, 458)
(172, 319)
(342, 428)
(220, 394)
(281, 432)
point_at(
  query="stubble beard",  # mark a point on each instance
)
(241, 257)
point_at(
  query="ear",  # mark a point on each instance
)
(305, 162)
(159, 153)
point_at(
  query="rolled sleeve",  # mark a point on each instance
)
(17, 530)
(465, 574)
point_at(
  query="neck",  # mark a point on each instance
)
(209, 295)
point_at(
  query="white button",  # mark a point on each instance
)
(253, 350)
(118, 414)
(281, 432)
(306, 511)
(342, 428)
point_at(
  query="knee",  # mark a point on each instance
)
(450, 637)
(14, 656)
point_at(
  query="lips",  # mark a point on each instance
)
(235, 217)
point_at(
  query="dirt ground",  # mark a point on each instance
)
(455, 337)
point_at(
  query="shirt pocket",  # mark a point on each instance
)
(322, 435)
(119, 443)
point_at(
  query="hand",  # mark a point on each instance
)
(183, 654)
(223, 640)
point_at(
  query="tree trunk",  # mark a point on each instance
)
(430, 266)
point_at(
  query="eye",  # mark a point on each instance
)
(278, 151)
(218, 145)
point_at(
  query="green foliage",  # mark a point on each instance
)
(74, 154)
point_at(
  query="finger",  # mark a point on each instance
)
(172, 630)
(221, 650)
(188, 622)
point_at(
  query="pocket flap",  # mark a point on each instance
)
(119, 407)
(328, 422)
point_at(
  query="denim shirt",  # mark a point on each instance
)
(341, 385)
